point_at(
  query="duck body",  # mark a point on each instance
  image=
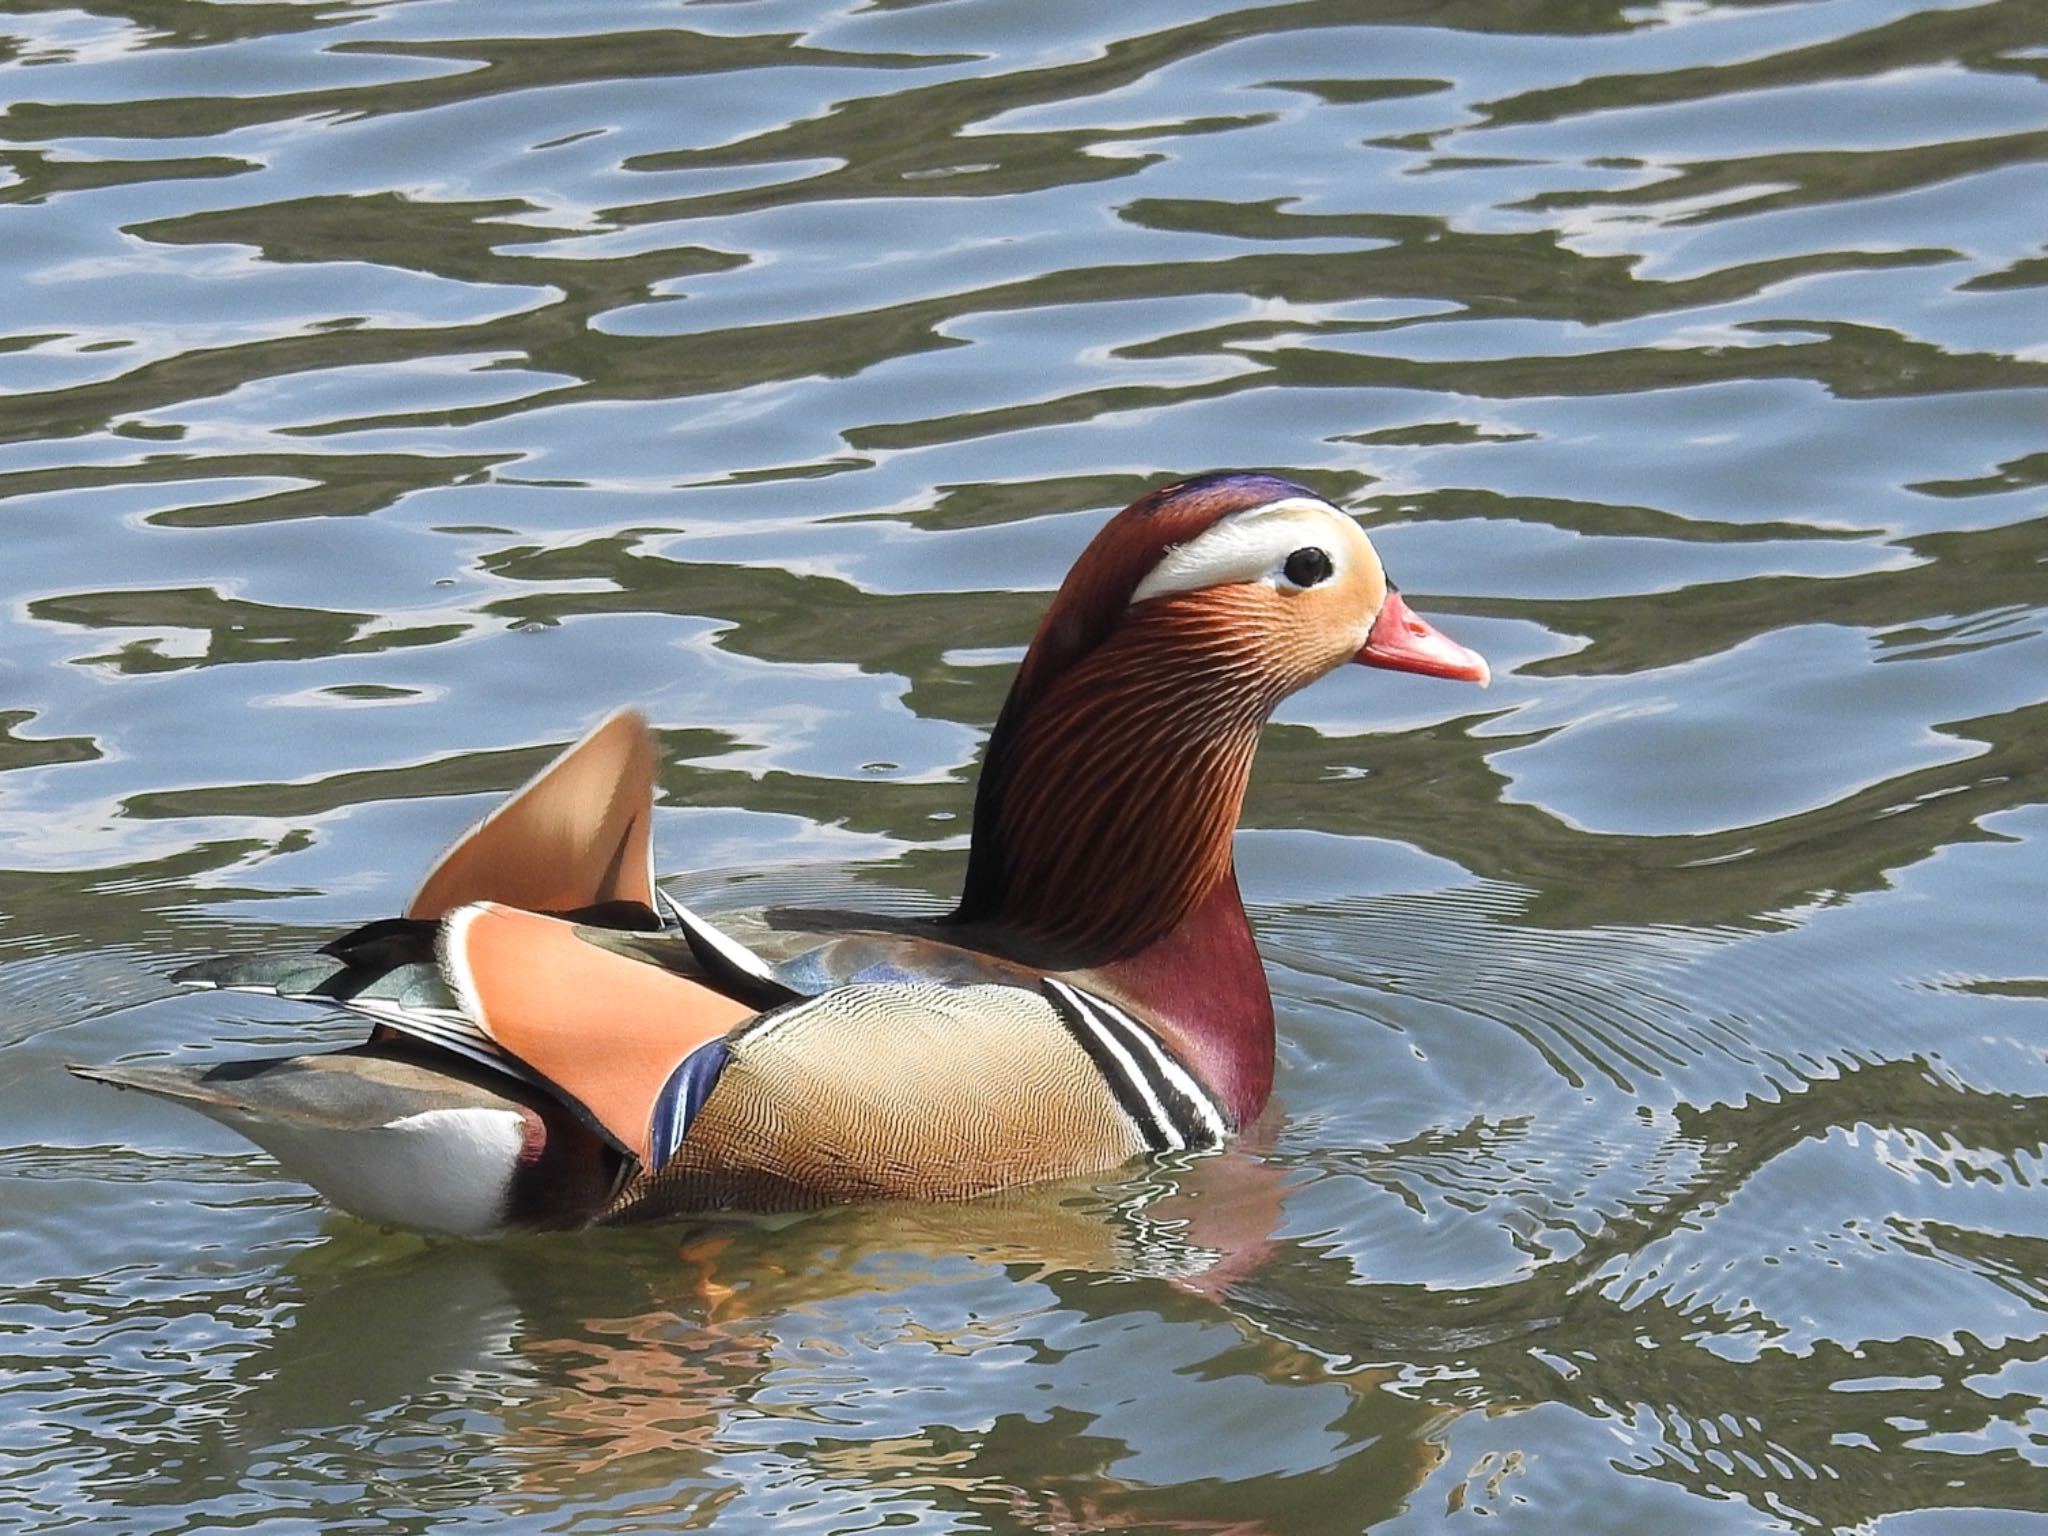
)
(557, 1042)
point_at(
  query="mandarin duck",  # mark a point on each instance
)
(557, 1042)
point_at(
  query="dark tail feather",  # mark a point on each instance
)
(187, 1085)
(389, 961)
(299, 975)
(323, 977)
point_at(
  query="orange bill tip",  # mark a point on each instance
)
(1403, 641)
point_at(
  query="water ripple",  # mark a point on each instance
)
(1659, 1031)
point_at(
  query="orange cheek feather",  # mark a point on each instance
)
(1306, 634)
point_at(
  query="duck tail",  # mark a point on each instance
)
(396, 1140)
(181, 1085)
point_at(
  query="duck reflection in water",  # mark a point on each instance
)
(745, 1361)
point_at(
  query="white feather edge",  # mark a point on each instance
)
(449, 1031)
(453, 950)
(728, 949)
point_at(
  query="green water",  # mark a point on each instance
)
(389, 390)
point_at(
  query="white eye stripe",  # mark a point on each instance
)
(1252, 545)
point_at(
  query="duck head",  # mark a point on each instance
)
(1116, 772)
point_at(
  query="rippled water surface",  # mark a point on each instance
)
(391, 389)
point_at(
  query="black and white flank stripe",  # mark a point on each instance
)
(1167, 1103)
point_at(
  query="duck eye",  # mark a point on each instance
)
(1307, 566)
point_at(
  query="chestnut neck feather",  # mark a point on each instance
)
(1108, 801)
(1112, 785)
(1102, 835)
